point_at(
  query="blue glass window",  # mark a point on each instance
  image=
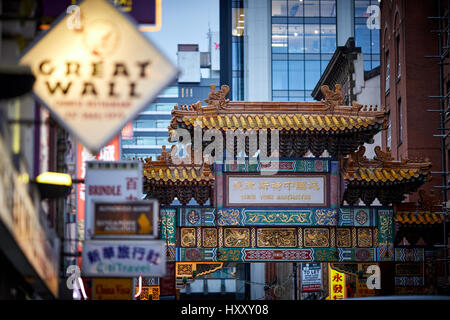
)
(279, 38)
(312, 73)
(311, 8)
(280, 75)
(361, 8)
(362, 37)
(367, 39)
(279, 8)
(303, 41)
(296, 75)
(328, 38)
(328, 8)
(295, 8)
(312, 38)
(375, 37)
(296, 36)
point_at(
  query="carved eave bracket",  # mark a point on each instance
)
(187, 272)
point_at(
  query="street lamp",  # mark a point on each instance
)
(53, 184)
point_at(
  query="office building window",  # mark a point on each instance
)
(388, 133)
(400, 121)
(160, 106)
(303, 42)
(170, 92)
(398, 57)
(367, 33)
(387, 79)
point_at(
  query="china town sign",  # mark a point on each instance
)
(97, 77)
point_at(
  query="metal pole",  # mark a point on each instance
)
(443, 144)
(295, 281)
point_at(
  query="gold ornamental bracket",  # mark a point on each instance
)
(186, 272)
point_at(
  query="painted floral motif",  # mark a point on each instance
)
(325, 254)
(326, 217)
(192, 254)
(361, 217)
(228, 254)
(277, 217)
(193, 216)
(168, 226)
(228, 217)
(385, 228)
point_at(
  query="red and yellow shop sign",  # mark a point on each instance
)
(336, 281)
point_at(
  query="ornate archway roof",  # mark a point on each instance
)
(328, 115)
(382, 177)
(319, 120)
(425, 211)
(164, 170)
(166, 180)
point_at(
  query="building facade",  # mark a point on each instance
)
(148, 132)
(279, 49)
(406, 39)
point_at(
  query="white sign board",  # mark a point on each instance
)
(311, 277)
(276, 190)
(97, 74)
(124, 258)
(110, 181)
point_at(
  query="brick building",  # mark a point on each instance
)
(408, 78)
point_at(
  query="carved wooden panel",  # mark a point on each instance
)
(276, 237)
(188, 237)
(236, 237)
(210, 237)
(316, 237)
(364, 237)
(343, 238)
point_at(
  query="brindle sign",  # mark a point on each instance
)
(131, 219)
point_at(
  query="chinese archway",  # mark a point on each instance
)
(315, 208)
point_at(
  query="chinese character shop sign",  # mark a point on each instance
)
(96, 78)
(110, 181)
(337, 284)
(124, 258)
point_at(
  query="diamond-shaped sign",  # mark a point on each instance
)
(95, 71)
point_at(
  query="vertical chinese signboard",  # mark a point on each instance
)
(336, 282)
